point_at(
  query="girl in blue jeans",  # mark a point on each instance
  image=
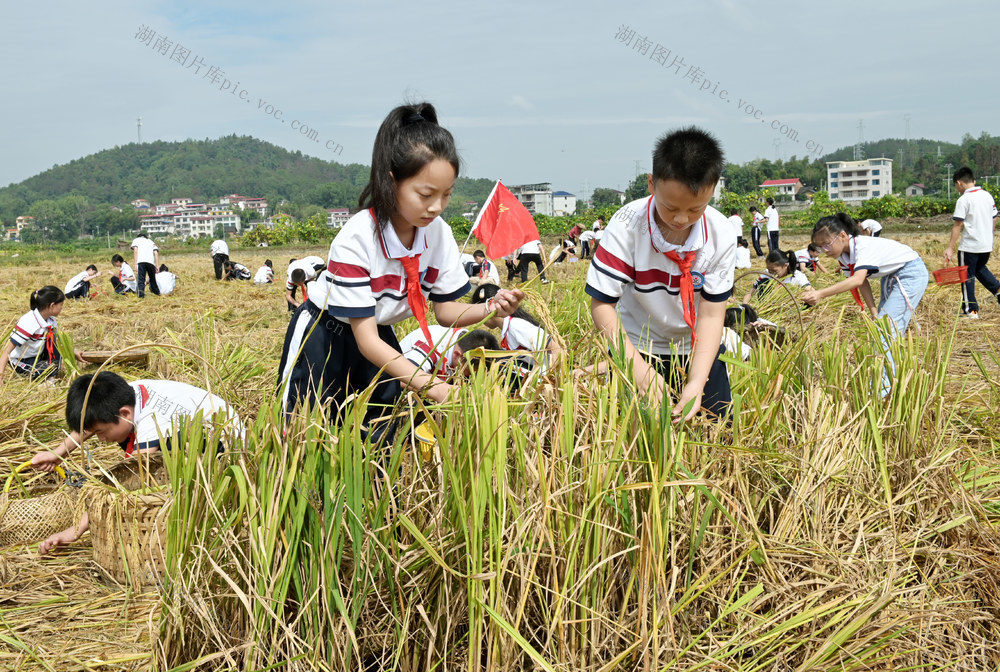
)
(901, 271)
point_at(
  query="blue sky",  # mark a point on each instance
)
(559, 92)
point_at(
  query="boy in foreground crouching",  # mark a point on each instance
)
(133, 415)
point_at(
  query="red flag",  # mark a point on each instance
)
(503, 225)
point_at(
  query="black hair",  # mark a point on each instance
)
(813, 247)
(834, 224)
(479, 253)
(600, 218)
(141, 234)
(739, 316)
(163, 268)
(964, 175)
(292, 261)
(489, 290)
(733, 211)
(117, 259)
(268, 264)
(91, 268)
(753, 208)
(769, 200)
(298, 276)
(407, 140)
(690, 156)
(783, 258)
(108, 396)
(227, 264)
(742, 242)
(45, 297)
(479, 338)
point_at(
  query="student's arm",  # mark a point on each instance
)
(291, 299)
(748, 296)
(455, 314)
(813, 296)
(5, 359)
(708, 336)
(819, 266)
(383, 355)
(866, 291)
(135, 257)
(48, 460)
(956, 232)
(608, 325)
(156, 259)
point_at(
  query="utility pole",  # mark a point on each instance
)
(859, 153)
(138, 127)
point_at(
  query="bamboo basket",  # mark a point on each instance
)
(128, 525)
(45, 507)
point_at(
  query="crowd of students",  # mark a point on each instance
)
(659, 282)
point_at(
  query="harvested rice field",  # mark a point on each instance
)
(566, 527)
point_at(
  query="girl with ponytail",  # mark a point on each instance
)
(31, 350)
(384, 265)
(902, 274)
(781, 265)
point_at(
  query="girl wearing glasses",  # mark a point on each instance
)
(901, 271)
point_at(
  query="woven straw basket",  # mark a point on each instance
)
(127, 529)
(44, 508)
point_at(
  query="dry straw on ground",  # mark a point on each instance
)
(569, 528)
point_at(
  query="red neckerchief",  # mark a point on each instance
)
(414, 295)
(684, 261)
(50, 342)
(854, 292)
(130, 444)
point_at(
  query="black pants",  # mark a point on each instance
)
(526, 260)
(512, 270)
(772, 240)
(120, 287)
(586, 249)
(144, 270)
(82, 291)
(755, 238)
(330, 367)
(877, 234)
(219, 260)
(717, 396)
(977, 271)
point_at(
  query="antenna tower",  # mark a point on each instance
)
(138, 128)
(859, 153)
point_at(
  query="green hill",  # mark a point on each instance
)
(84, 190)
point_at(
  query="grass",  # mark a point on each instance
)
(567, 528)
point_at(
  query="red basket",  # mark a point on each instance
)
(951, 276)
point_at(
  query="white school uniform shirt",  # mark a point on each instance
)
(586, 236)
(737, 223)
(743, 257)
(796, 279)
(773, 219)
(439, 357)
(758, 219)
(488, 272)
(871, 226)
(734, 344)
(879, 256)
(76, 281)
(144, 248)
(166, 282)
(241, 271)
(365, 277)
(598, 234)
(532, 247)
(308, 265)
(631, 271)
(159, 403)
(264, 275)
(803, 256)
(976, 209)
(219, 247)
(519, 334)
(127, 275)
(28, 336)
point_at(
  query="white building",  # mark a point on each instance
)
(180, 201)
(140, 204)
(788, 187)
(337, 217)
(537, 198)
(563, 203)
(859, 180)
(162, 225)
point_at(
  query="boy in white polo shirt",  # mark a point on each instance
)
(78, 286)
(660, 280)
(773, 224)
(300, 273)
(974, 215)
(147, 258)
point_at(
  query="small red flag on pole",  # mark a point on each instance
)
(504, 224)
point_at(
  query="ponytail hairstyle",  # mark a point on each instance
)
(45, 297)
(407, 140)
(737, 317)
(164, 269)
(834, 224)
(769, 201)
(786, 259)
(485, 292)
(117, 259)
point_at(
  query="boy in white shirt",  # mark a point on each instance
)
(78, 286)
(758, 221)
(124, 280)
(264, 274)
(975, 213)
(773, 224)
(443, 357)
(737, 222)
(742, 253)
(871, 228)
(166, 280)
(147, 258)
(220, 255)
(660, 282)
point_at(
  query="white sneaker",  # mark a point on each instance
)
(971, 315)
(545, 282)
